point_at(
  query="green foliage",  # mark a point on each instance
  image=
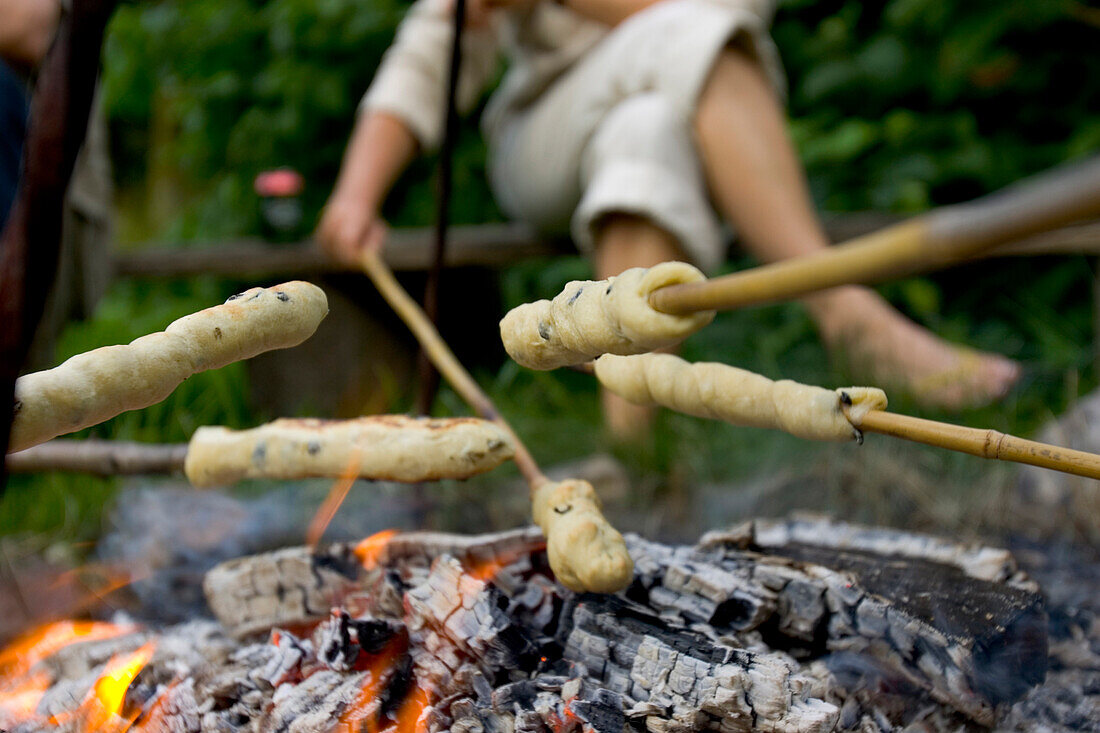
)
(905, 104)
(895, 105)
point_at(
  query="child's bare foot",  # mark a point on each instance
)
(888, 348)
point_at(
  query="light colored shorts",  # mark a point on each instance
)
(615, 133)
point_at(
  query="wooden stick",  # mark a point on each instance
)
(409, 311)
(429, 377)
(99, 457)
(982, 443)
(941, 237)
(586, 552)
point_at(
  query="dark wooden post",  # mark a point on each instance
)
(31, 238)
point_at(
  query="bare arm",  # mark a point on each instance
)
(27, 29)
(381, 147)
(610, 12)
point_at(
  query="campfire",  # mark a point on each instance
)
(796, 625)
(790, 625)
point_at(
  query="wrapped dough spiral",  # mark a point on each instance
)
(589, 318)
(741, 397)
(389, 447)
(95, 386)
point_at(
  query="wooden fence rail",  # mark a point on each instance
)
(483, 245)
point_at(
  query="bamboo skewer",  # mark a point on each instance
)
(721, 392)
(990, 444)
(585, 551)
(934, 240)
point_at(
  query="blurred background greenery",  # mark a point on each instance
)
(895, 106)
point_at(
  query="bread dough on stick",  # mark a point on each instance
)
(589, 318)
(585, 551)
(737, 396)
(385, 447)
(95, 386)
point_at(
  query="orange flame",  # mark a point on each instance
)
(22, 686)
(369, 549)
(103, 708)
(333, 500)
(486, 570)
(35, 645)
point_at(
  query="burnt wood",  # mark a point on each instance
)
(957, 624)
(464, 643)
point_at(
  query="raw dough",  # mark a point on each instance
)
(586, 553)
(95, 386)
(590, 318)
(388, 447)
(741, 397)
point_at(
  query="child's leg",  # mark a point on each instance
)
(644, 202)
(758, 183)
(624, 241)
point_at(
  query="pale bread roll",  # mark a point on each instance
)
(586, 553)
(737, 396)
(95, 386)
(386, 447)
(589, 318)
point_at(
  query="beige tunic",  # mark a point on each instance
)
(588, 119)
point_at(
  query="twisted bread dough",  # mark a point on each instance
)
(586, 553)
(589, 318)
(388, 447)
(727, 393)
(92, 387)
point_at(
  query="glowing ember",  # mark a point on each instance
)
(369, 549)
(19, 698)
(409, 716)
(157, 719)
(333, 500)
(362, 714)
